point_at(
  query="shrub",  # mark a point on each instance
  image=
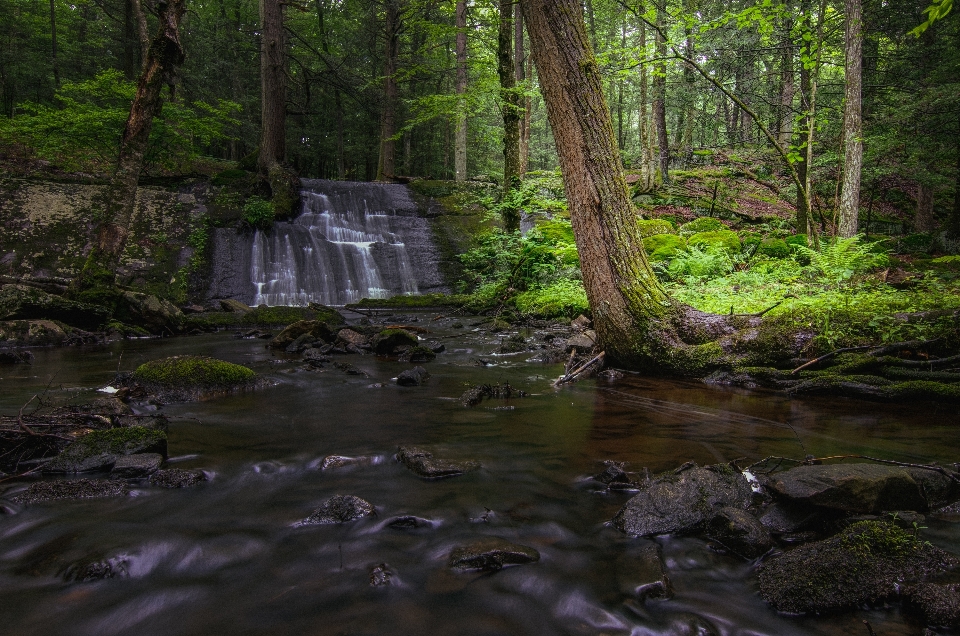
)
(751, 241)
(564, 298)
(654, 227)
(663, 246)
(702, 224)
(697, 262)
(797, 239)
(724, 239)
(258, 213)
(774, 248)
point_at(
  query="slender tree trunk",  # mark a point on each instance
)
(924, 221)
(852, 121)
(460, 158)
(337, 98)
(622, 289)
(806, 50)
(53, 44)
(510, 106)
(689, 80)
(660, 96)
(954, 225)
(163, 57)
(648, 160)
(387, 164)
(520, 64)
(787, 86)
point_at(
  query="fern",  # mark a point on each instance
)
(841, 259)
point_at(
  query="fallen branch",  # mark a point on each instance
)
(26, 429)
(910, 345)
(570, 377)
(827, 356)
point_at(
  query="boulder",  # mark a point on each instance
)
(235, 306)
(867, 561)
(184, 378)
(339, 509)
(413, 377)
(490, 554)
(139, 465)
(31, 333)
(641, 573)
(331, 462)
(349, 336)
(417, 355)
(858, 488)
(409, 522)
(938, 489)
(684, 501)
(71, 489)
(389, 341)
(313, 329)
(784, 517)
(581, 343)
(22, 302)
(615, 477)
(739, 532)
(149, 312)
(425, 465)
(938, 602)
(100, 450)
(177, 478)
(349, 369)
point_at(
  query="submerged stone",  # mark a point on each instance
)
(424, 464)
(491, 554)
(339, 509)
(641, 573)
(683, 502)
(71, 489)
(868, 561)
(331, 462)
(860, 488)
(417, 355)
(100, 450)
(409, 522)
(740, 532)
(380, 575)
(390, 341)
(413, 377)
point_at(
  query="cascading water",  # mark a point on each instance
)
(348, 244)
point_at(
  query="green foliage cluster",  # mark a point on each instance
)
(258, 213)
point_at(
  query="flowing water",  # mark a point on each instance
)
(226, 558)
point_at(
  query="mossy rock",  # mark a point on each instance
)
(388, 341)
(797, 239)
(702, 224)
(31, 333)
(193, 377)
(21, 302)
(662, 247)
(774, 248)
(653, 227)
(315, 329)
(99, 450)
(556, 231)
(751, 242)
(724, 239)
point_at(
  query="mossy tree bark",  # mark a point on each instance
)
(277, 178)
(511, 106)
(164, 55)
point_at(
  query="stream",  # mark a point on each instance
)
(225, 557)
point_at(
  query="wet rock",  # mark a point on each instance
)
(863, 488)
(380, 575)
(177, 478)
(475, 395)
(683, 502)
(581, 343)
(938, 490)
(739, 532)
(313, 329)
(184, 378)
(301, 343)
(611, 375)
(315, 357)
(491, 554)
(425, 465)
(417, 355)
(641, 573)
(949, 513)
(192, 309)
(389, 341)
(349, 336)
(71, 489)
(31, 333)
(866, 562)
(409, 522)
(149, 312)
(614, 476)
(339, 509)
(437, 348)
(413, 377)
(16, 357)
(514, 344)
(349, 369)
(139, 465)
(100, 450)
(235, 306)
(784, 517)
(938, 602)
(22, 302)
(332, 462)
(89, 571)
(581, 322)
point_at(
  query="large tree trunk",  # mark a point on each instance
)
(159, 70)
(660, 97)
(386, 167)
(275, 177)
(622, 289)
(852, 122)
(510, 106)
(460, 154)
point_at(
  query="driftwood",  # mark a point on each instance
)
(572, 376)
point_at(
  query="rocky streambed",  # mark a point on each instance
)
(324, 492)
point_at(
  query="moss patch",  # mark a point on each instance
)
(193, 377)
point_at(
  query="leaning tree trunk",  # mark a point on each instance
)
(510, 105)
(119, 198)
(852, 122)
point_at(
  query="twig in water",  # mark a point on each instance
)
(24, 427)
(570, 377)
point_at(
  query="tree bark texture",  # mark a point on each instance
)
(852, 121)
(511, 105)
(387, 164)
(621, 287)
(660, 97)
(460, 153)
(648, 160)
(924, 221)
(159, 70)
(520, 65)
(787, 86)
(803, 211)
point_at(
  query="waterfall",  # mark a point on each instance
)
(347, 244)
